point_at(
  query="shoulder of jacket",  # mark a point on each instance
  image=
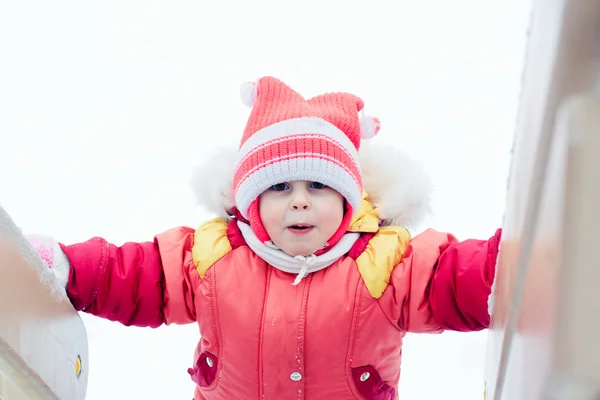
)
(210, 244)
(381, 255)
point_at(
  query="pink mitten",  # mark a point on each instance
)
(50, 252)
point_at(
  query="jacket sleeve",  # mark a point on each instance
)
(444, 284)
(140, 284)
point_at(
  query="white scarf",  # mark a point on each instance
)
(300, 265)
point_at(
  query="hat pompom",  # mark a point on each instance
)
(249, 92)
(369, 127)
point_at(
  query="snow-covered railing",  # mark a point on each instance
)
(43, 342)
(544, 340)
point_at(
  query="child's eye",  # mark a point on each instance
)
(280, 187)
(317, 185)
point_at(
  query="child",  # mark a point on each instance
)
(306, 285)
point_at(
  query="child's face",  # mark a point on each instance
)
(300, 216)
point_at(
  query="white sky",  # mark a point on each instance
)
(106, 106)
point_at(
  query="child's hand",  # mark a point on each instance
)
(50, 252)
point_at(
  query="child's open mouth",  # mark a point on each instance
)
(300, 228)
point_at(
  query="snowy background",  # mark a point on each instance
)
(105, 107)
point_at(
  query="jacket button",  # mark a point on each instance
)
(364, 376)
(209, 361)
(296, 376)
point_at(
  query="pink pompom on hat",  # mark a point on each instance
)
(290, 138)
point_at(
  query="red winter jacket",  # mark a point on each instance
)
(336, 335)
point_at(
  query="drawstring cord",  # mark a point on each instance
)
(306, 262)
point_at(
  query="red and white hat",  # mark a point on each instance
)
(290, 138)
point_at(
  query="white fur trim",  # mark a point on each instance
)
(249, 93)
(296, 126)
(307, 168)
(212, 182)
(398, 185)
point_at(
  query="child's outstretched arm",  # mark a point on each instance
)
(141, 284)
(444, 284)
(462, 283)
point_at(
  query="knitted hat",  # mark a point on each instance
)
(290, 138)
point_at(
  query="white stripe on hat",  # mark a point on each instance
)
(295, 126)
(296, 156)
(314, 169)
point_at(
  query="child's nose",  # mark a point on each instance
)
(300, 201)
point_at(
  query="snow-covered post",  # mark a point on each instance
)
(543, 340)
(43, 342)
